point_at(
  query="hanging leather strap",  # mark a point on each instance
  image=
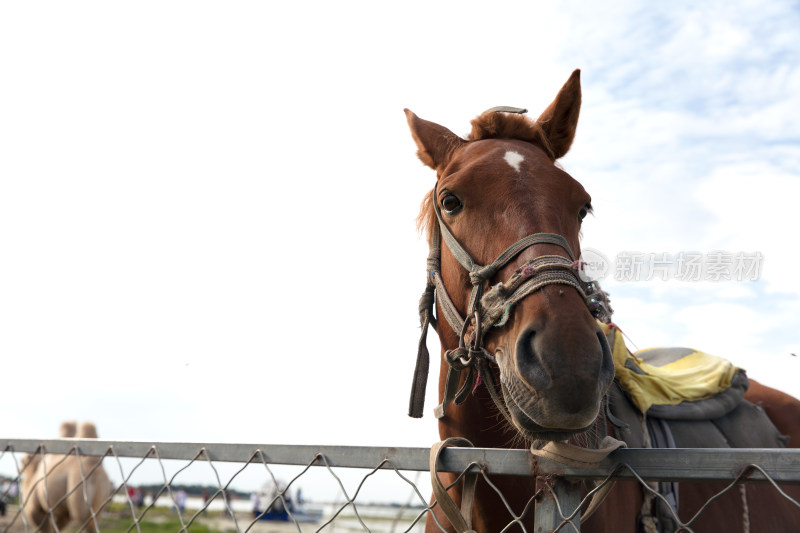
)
(416, 402)
(460, 518)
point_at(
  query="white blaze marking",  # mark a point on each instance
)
(514, 159)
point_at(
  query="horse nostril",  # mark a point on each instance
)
(529, 362)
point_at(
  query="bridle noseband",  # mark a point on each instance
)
(487, 310)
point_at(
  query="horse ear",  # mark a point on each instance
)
(560, 119)
(435, 144)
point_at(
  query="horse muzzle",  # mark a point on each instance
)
(554, 379)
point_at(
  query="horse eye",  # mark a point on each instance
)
(451, 204)
(584, 211)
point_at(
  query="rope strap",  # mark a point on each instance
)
(461, 519)
(570, 455)
(567, 454)
(534, 275)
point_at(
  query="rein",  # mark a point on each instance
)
(484, 311)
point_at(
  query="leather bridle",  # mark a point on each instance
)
(489, 309)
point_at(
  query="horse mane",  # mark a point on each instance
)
(427, 217)
(491, 125)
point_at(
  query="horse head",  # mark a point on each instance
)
(509, 219)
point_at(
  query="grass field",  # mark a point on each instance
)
(117, 518)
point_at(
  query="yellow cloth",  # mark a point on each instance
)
(696, 376)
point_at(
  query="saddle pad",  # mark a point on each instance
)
(745, 426)
(676, 383)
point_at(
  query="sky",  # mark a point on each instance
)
(207, 210)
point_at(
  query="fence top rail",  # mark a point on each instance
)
(698, 464)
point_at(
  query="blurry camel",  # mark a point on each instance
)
(57, 489)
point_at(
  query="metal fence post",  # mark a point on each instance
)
(554, 493)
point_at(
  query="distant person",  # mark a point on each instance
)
(180, 500)
(139, 498)
(4, 486)
(255, 503)
(205, 502)
(9, 490)
(13, 491)
(228, 499)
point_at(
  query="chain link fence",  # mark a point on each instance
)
(259, 488)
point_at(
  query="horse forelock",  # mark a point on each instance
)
(491, 125)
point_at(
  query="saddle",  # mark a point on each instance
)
(681, 398)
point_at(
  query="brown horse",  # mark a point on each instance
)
(57, 489)
(501, 200)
